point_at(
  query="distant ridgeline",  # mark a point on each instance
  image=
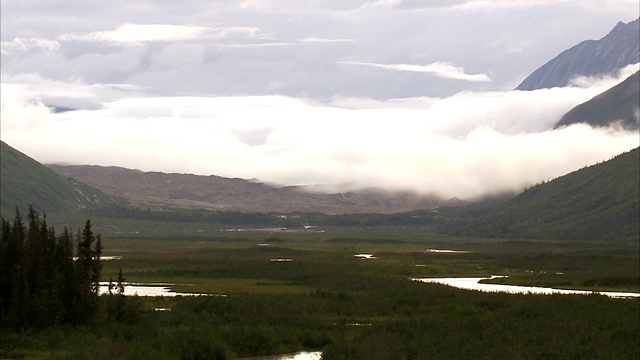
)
(619, 48)
(600, 202)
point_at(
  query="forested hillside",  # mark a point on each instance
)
(600, 202)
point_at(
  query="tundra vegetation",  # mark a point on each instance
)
(328, 300)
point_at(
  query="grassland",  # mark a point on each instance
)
(327, 299)
(216, 261)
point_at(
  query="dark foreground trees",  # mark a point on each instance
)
(42, 281)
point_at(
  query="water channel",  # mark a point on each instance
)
(303, 355)
(473, 283)
(467, 283)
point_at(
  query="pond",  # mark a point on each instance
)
(147, 289)
(473, 283)
(303, 355)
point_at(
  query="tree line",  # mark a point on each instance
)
(44, 281)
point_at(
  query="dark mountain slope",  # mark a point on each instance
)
(620, 104)
(616, 50)
(24, 181)
(600, 202)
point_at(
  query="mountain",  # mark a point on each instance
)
(620, 104)
(27, 182)
(600, 202)
(160, 190)
(616, 50)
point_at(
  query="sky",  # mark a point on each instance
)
(398, 94)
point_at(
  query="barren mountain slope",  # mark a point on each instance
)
(616, 50)
(155, 189)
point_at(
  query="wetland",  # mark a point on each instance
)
(326, 299)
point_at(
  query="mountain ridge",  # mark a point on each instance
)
(619, 48)
(161, 190)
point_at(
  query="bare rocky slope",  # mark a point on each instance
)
(616, 50)
(159, 190)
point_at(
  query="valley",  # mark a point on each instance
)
(328, 299)
(182, 266)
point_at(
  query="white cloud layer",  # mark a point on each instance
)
(20, 45)
(466, 145)
(134, 33)
(324, 40)
(441, 69)
(395, 93)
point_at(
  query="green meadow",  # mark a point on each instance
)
(323, 298)
(227, 262)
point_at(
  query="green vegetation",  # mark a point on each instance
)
(600, 202)
(25, 181)
(323, 297)
(43, 284)
(326, 299)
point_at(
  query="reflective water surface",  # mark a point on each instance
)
(146, 289)
(473, 283)
(303, 355)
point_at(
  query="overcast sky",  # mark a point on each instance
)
(395, 93)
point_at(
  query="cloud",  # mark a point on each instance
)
(135, 33)
(380, 4)
(608, 80)
(188, 87)
(244, 47)
(19, 45)
(443, 70)
(324, 40)
(256, 45)
(32, 89)
(466, 145)
(140, 33)
(622, 5)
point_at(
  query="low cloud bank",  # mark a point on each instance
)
(466, 145)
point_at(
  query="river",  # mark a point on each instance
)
(303, 355)
(473, 283)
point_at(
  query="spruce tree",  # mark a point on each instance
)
(41, 282)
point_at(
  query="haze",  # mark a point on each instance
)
(397, 94)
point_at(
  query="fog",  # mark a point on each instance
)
(465, 145)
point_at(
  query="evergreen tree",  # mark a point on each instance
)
(120, 284)
(88, 268)
(120, 300)
(41, 284)
(68, 291)
(13, 291)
